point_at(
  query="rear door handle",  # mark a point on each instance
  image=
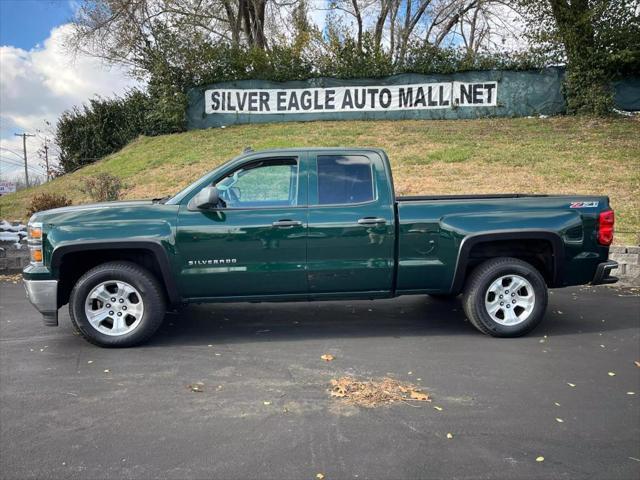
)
(372, 221)
(287, 223)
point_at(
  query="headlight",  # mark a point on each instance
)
(34, 239)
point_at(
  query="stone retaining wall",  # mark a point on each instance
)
(14, 253)
(629, 260)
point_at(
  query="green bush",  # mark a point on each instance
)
(103, 126)
(47, 201)
(102, 187)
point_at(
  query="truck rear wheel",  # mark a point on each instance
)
(117, 304)
(505, 297)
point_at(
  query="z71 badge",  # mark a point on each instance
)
(583, 204)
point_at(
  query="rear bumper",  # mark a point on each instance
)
(603, 273)
(43, 294)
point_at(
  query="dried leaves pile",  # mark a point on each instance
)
(373, 393)
(11, 278)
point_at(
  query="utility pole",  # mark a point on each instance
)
(46, 157)
(24, 147)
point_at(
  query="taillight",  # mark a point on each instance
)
(606, 220)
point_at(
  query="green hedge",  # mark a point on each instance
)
(103, 126)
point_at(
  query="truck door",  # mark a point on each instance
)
(255, 244)
(351, 224)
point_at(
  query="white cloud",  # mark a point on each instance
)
(38, 85)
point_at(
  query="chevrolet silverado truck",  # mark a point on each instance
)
(311, 224)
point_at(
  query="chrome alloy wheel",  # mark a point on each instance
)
(114, 308)
(510, 300)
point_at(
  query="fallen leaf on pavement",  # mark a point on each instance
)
(449, 436)
(106, 370)
(327, 357)
(267, 403)
(559, 420)
(320, 476)
(438, 408)
(540, 459)
(417, 395)
(196, 387)
(571, 384)
(637, 363)
(612, 374)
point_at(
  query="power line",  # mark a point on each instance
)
(13, 161)
(16, 164)
(12, 151)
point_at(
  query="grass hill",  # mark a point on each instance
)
(530, 155)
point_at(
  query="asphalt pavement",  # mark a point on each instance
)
(569, 392)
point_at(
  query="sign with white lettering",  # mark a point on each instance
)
(407, 96)
(418, 96)
(7, 187)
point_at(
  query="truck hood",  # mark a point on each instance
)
(108, 221)
(66, 212)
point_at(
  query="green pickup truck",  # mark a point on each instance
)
(311, 224)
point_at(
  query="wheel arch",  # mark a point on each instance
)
(150, 255)
(553, 277)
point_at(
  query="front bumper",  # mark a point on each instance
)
(43, 294)
(603, 273)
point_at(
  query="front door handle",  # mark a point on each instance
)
(372, 221)
(287, 223)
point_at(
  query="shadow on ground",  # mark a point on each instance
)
(579, 312)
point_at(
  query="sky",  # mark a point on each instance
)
(39, 79)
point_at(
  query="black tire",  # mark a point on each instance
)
(477, 288)
(138, 277)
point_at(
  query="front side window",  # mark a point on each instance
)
(344, 179)
(265, 183)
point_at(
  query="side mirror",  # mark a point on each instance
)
(206, 198)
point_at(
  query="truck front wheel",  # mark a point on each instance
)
(505, 297)
(117, 304)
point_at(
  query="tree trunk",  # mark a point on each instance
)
(385, 6)
(358, 15)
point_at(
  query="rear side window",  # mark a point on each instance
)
(344, 179)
